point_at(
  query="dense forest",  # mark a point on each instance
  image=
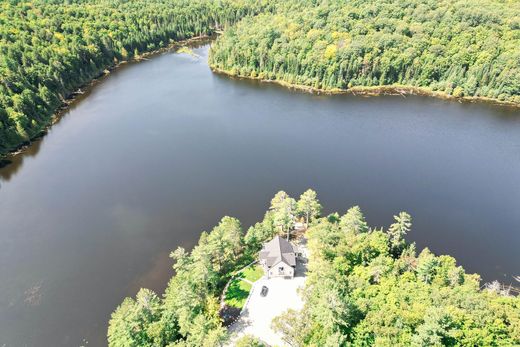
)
(49, 48)
(365, 287)
(458, 48)
(369, 287)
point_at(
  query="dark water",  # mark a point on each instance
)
(160, 150)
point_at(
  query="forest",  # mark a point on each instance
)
(459, 48)
(462, 48)
(369, 287)
(50, 48)
(365, 286)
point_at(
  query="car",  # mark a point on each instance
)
(264, 291)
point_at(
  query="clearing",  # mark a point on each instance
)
(259, 311)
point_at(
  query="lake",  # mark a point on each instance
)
(161, 150)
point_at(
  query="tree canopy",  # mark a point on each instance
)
(368, 287)
(461, 47)
(364, 287)
(49, 48)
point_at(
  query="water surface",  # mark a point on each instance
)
(161, 150)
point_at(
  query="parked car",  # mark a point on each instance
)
(264, 291)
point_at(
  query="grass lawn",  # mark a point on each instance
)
(238, 289)
(237, 293)
(252, 273)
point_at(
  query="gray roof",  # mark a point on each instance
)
(276, 250)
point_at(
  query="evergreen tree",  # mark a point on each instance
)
(397, 232)
(309, 206)
(354, 221)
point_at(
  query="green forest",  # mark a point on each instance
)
(366, 286)
(49, 48)
(458, 48)
(369, 287)
(462, 48)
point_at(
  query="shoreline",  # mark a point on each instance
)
(391, 89)
(368, 91)
(84, 89)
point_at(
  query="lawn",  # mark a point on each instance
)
(252, 273)
(238, 290)
(237, 293)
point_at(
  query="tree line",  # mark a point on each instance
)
(369, 287)
(461, 47)
(49, 48)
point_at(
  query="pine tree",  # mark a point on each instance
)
(309, 206)
(397, 231)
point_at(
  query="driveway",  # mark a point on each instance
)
(260, 311)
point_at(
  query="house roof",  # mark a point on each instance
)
(276, 250)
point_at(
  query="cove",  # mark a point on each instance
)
(161, 150)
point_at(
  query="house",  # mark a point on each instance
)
(278, 258)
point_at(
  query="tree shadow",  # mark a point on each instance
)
(235, 294)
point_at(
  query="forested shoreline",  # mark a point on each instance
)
(365, 286)
(460, 49)
(370, 287)
(49, 49)
(390, 89)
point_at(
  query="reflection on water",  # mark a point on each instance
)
(14, 163)
(161, 150)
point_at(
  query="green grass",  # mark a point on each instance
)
(238, 290)
(237, 293)
(252, 273)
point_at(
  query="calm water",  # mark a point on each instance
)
(160, 150)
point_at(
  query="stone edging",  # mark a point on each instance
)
(249, 296)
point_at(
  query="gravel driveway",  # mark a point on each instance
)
(259, 311)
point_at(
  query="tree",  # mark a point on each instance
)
(364, 43)
(426, 266)
(308, 205)
(207, 329)
(225, 242)
(358, 293)
(130, 323)
(354, 221)
(249, 341)
(121, 325)
(283, 209)
(288, 324)
(397, 231)
(278, 199)
(284, 216)
(260, 232)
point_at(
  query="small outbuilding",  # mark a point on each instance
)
(278, 258)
